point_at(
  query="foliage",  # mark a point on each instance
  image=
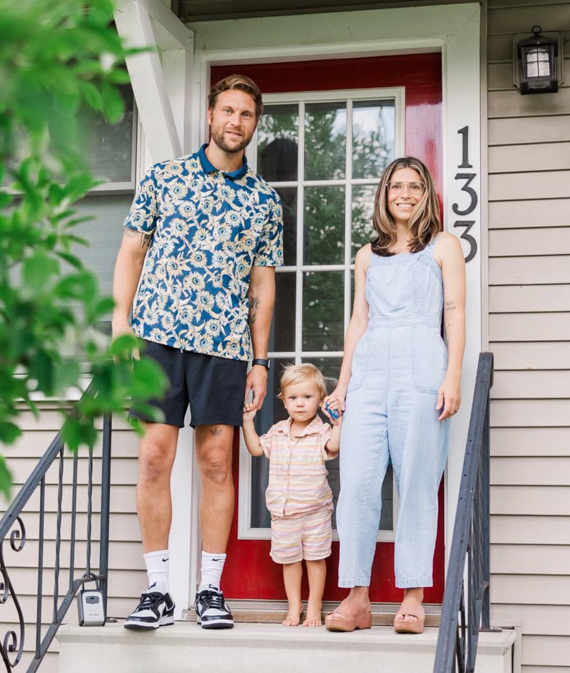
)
(55, 56)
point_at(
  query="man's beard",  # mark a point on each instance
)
(218, 138)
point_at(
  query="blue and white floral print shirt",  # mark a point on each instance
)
(208, 229)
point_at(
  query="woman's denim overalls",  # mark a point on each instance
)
(397, 369)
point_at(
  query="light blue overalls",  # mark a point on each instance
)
(397, 368)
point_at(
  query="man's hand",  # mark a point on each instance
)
(121, 326)
(256, 382)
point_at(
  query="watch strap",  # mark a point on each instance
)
(262, 361)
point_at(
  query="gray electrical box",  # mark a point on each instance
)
(90, 608)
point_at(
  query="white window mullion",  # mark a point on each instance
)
(348, 214)
(300, 236)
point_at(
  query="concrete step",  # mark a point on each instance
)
(263, 648)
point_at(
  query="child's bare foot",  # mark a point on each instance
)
(314, 615)
(293, 616)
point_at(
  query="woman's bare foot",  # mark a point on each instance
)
(293, 616)
(314, 614)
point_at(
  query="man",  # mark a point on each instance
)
(205, 232)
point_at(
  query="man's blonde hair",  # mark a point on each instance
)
(242, 83)
(299, 374)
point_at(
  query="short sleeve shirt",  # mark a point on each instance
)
(207, 228)
(297, 473)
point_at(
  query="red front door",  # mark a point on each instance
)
(330, 128)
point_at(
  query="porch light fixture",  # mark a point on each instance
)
(537, 57)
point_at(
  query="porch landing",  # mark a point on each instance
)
(259, 648)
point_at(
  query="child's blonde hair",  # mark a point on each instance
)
(293, 374)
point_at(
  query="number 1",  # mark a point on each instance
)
(465, 150)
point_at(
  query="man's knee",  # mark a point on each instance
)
(216, 468)
(155, 460)
(216, 465)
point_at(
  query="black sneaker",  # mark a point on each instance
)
(155, 609)
(212, 611)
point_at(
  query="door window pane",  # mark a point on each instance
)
(362, 214)
(325, 141)
(282, 337)
(372, 138)
(289, 202)
(323, 310)
(324, 225)
(277, 143)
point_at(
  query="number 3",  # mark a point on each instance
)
(466, 236)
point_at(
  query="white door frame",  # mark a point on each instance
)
(453, 30)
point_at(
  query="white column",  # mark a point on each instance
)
(462, 94)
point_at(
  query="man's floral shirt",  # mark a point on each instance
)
(208, 229)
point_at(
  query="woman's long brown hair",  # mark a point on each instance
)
(425, 222)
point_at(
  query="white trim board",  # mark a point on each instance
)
(452, 29)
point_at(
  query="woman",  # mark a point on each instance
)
(401, 386)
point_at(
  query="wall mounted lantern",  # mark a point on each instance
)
(538, 63)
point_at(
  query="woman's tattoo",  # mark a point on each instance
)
(450, 305)
(254, 303)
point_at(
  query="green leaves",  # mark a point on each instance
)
(113, 104)
(38, 269)
(5, 478)
(9, 433)
(58, 58)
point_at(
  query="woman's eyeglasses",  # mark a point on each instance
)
(414, 188)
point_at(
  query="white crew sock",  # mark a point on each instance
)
(212, 567)
(157, 570)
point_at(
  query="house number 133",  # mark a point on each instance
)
(471, 194)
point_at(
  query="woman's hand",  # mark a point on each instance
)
(334, 401)
(449, 396)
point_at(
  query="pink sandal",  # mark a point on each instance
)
(414, 609)
(336, 622)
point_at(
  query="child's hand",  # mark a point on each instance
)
(331, 407)
(248, 412)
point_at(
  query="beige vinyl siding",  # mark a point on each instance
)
(529, 333)
(127, 574)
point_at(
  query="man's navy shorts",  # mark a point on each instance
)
(213, 387)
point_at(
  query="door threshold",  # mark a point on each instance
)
(274, 612)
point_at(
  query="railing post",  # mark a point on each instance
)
(486, 503)
(105, 509)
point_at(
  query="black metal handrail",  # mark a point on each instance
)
(459, 632)
(12, 524)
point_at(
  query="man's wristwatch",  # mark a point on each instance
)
(262, 362)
